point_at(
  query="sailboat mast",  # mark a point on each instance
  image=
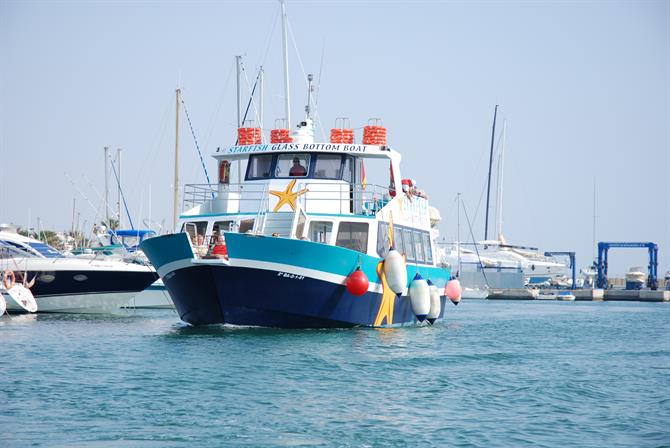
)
(488, 188)
(287, 97)
(175, 197)
(107, 185)
(501, 172)
(118, 186)
(458, 232)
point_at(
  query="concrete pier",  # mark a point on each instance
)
(594, 295)
(641, 295)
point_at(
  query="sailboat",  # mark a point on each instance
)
(498, 263)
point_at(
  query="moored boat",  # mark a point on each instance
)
(62, 284)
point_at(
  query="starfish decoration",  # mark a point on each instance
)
(287, 196)
(388, 299)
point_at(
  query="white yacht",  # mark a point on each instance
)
(64, 284)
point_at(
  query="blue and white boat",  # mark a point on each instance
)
(302, 240)
(293, 240)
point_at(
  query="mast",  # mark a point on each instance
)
(501, 172)
(118, 187)
(260, 95)
(175, 198)
(458, 232)
(238, 62)
(488, 188)
(287, 100)
(106, 185)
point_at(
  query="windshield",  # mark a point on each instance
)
(11, 251)
(45, 250)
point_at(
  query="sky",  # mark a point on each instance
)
(584, 89)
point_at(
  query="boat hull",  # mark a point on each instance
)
(91, 291)
(279, 282)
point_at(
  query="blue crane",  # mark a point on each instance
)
(604, 247)
(571, 255)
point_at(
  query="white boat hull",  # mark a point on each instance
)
(156, 296)
(102, 303)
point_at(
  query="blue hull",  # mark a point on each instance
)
(259, 292)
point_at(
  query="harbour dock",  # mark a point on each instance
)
(594, 295)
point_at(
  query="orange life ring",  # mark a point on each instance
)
(6, 276)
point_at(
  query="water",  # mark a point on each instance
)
(493, 374)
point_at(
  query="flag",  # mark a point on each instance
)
(364, 180)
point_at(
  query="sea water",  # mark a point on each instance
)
(490, 374)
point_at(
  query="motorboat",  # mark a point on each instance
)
(565, 296)
(69, 284)
(636, 278)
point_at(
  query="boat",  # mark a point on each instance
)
(292, 247)
(565, 296)
(636, 278)
(69, 284)
(123, 245)
(546, 295)
(303, 240)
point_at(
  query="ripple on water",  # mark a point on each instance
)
(491, 374)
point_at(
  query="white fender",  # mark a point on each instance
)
(419, 296)
(3, 305)
(23, 297)
(395, 271)
(435, 305)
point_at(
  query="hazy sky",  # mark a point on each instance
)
(584, 87)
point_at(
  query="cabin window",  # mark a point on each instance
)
(353, 235)
(246, 225)
(320, 231)
(427, 250)
(328, 166)
(418, 246)
(348, 172)
(222, 226)
(383, 243)
(409, 244)
(259, 166)
(196, 231)
(292, 165)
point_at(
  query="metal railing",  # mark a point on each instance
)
(319, 198)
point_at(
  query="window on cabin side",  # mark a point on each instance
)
(383, 243)
(246, 225)
(292, 165)
(328, 166)
(320, 231)
(259, 166)
(418, 246)
(353, 235)
(409, 244)
(426, 247)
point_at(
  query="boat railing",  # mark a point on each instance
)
(199, 194)
(317, 197)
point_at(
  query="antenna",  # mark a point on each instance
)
(287, 96)
(310, 89)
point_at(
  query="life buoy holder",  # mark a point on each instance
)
(6, 279)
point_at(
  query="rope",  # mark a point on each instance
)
(188, 118)
(476, 249)
(123, 196)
